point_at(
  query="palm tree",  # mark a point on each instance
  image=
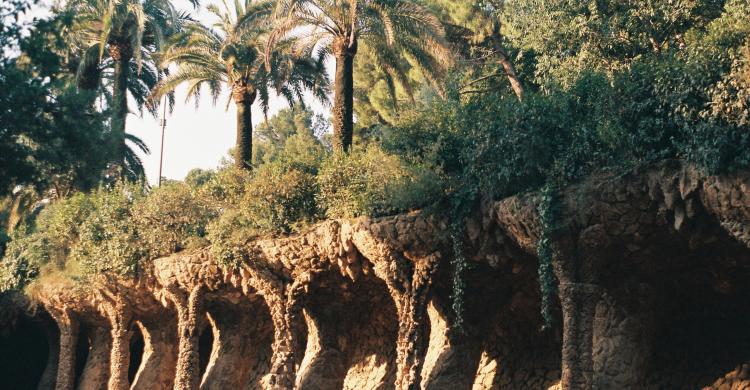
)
(121, 35)
(389, 29)
(233, 54)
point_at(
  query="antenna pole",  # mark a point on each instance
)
(163, 127)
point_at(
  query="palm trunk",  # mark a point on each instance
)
(343, 100)
(88, 80)
(244, 98)
(121, 54)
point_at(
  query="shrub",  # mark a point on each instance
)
(47, 241)
(20, 263)
(372, 182)
(109, 239)
(226, 188)
(278, 197)
(172, 218)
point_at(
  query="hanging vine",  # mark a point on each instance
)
(549, 216)
(459, 265)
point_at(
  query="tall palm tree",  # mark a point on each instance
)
(233, 54)
(121, 35)
(389, 29)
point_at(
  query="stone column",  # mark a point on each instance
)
(69, 329)
(324, 364)
(189, 312)
(96, 371)
(286, 342)
(579, 302)
(409, 285)
(288, 324)
(159, 354)
(232, 354)
(451, 356)
(119, 318)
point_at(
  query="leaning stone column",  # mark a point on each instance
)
(96, 371)
(47, 382)
(288, 324)
(324, 364)
(286, 342)
(119, 318)
(579, 302)
(189, 310)
(451, 357)
(159, 354)
(232, 354)
(409, 285)
(69, 329)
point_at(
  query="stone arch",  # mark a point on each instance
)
(205, 346)
(242, 336)
(92, 353)
(82, 355)
(157, 368)
(28, 349)
(352, 330)
(675, 313)
(501, 345)
(137, 347)
(672, 298)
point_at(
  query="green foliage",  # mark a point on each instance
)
(686, 103)
(50, 136)
(569, 37)
(47, 242)
(108, 238)
(277, 197)
(549, 218)
(291, 130)
(396, 43)
(110, 230)
(197, 177)
(372, 182)
(607, 85)
(172, 218)
(459, 264)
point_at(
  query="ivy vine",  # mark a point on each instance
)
(549, 215)
(459, 265)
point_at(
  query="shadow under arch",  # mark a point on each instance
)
(26, 343)
(352, 331)
(241, 337)
(502, 344)
(137, 347)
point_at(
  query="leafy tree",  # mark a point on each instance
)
(387, 29)
(274, 133)
(233, 54)
(476, 26)
(570, 36)
(50, 137)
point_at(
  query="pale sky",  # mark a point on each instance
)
(195, 138)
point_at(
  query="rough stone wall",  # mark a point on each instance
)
(654, 292)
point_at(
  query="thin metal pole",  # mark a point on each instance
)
(163, 127)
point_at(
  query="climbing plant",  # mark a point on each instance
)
(549, 210)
